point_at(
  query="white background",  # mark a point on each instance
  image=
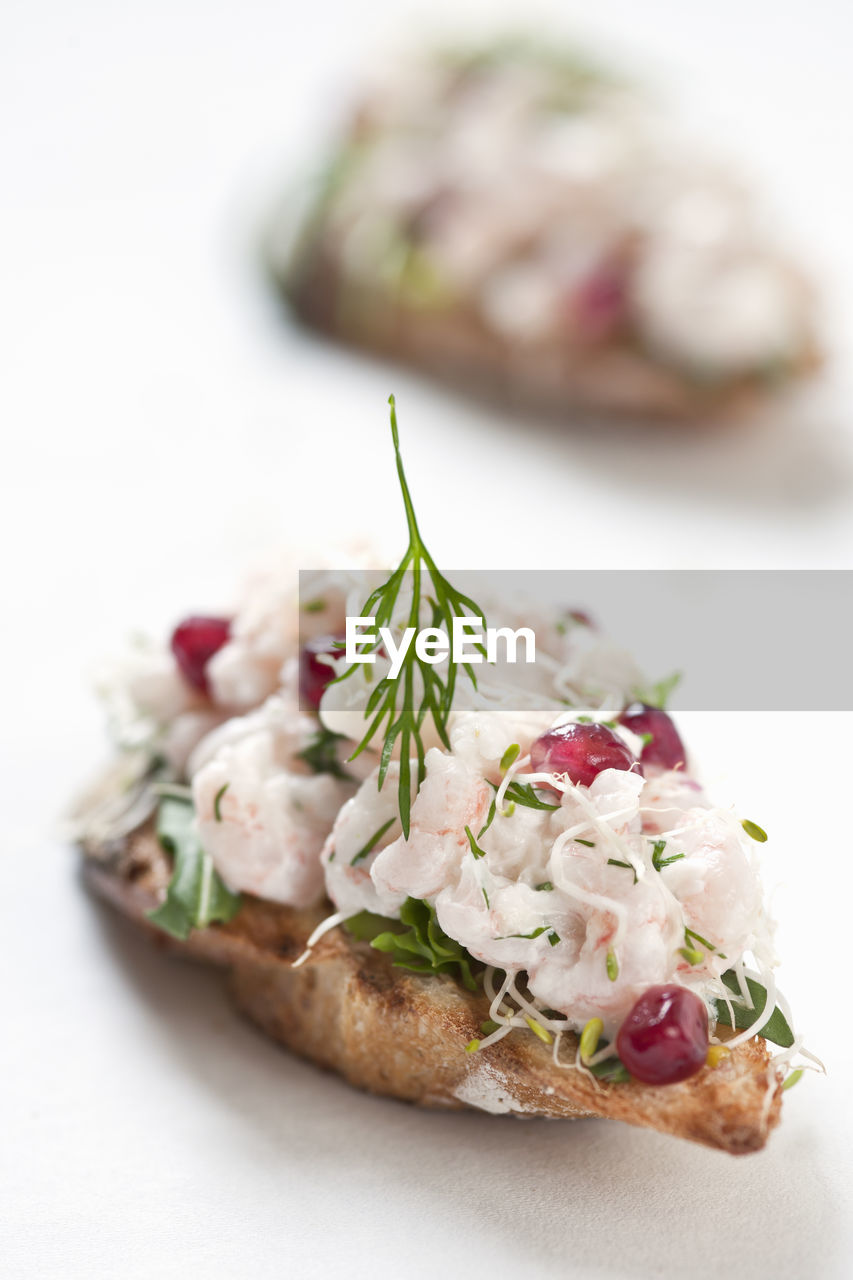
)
(161, 425)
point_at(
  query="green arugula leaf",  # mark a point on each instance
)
(611, 1071)
(775, 1028)
(416, 941)
(196, 895)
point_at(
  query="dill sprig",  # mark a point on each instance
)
(394, 709)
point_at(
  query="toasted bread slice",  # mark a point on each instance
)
(454, 346)
(396, 1033)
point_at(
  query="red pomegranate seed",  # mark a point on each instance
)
(664, 747)
(664, 1038)
(194, 642)
(580, 750)
(599, 303)
(314, 675)
(583, 619)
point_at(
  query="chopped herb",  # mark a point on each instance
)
(590, 844)
(775, 1028)
(486, 896)
(510, 756)
(490, 817)
(196, 895)
(614, 862)
(217, 801)
(475, 848)
(314, 606)
(646, 738)
(372, 842)
(544, 887)
(553, 938)
(612, 965)
(522, 793)
(697, 937)
(321, 754)
(658, 860)
(753, 829)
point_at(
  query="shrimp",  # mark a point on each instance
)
(267, 630)
(451, 798)
(352, 846)
(717, 882)
(666, 797)
(263, 823)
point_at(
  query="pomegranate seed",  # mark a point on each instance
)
(664, 1038)
(581, 751)
(664, 747)
(314, 675)
(194, 642)
(598, 304)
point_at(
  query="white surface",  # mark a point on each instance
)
(160, 426)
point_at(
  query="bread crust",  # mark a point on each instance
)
(395, 1033)
(452, 344)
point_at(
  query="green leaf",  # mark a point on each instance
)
(658, 860)
(611, 1071)
(616, 862)
(775, 1028)
(196, 896)
(659, 693)
(395, 712)
(321, 754)
(522, 793)
(372, 842)
(415, 942)
(475, 848)
(217, 801)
